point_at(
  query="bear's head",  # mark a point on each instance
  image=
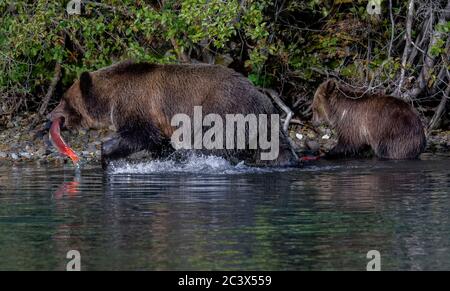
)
(81, 107)
(321, 103)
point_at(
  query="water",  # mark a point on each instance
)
(208, 215)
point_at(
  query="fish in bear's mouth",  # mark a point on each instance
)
(58, 141)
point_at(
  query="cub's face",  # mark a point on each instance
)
(321, 106)
(320, 115)
(72, 109)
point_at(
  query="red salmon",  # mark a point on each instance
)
(309, 158)
(59, 143)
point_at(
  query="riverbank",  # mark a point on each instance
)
(20, 143)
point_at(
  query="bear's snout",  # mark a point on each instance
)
(54, 115)
(58, 112)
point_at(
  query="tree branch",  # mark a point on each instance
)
(182, 55)
(439, 110)
(51, 90)
(409, 22)
(429, 60)
(391, 16)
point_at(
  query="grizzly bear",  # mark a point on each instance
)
(390, 126)
(140, 99)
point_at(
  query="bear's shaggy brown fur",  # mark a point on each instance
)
(390, 126)
(140, 99)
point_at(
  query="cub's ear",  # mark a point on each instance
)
(85, 84)
(330, 85)
(326, 89)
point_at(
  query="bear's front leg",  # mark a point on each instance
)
(117, 148)
(133, 137)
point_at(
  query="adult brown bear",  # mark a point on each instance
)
(390, 126)
(140, 99)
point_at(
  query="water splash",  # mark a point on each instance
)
(198, 164)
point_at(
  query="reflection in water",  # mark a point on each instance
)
(215, 216)
(68, 188)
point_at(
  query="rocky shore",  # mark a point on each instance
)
(323, 139)
(21, 143)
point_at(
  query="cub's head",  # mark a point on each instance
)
(81, 107)
(321, 103)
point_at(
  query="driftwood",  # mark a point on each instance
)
(276, 98)
(295, 121)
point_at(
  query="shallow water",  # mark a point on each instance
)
(206, 214)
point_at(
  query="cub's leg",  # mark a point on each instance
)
(338, 151)
(346, 150)
(400, 148)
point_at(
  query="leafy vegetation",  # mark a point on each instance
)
(290, 46)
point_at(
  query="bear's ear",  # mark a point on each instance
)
(85, 84)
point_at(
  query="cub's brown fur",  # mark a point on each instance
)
(140, 99)
(390, 126)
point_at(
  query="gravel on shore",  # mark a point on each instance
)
(21, 144)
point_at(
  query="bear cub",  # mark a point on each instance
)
(390, 126)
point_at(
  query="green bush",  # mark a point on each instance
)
(35, 35)
(290, 46)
